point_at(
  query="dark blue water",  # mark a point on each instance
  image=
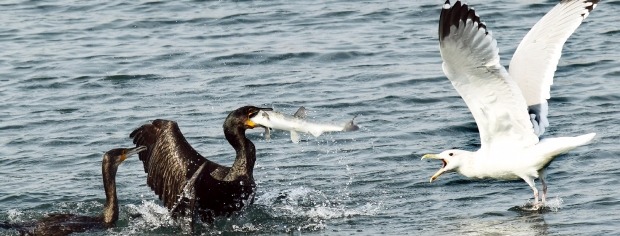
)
(77, 77)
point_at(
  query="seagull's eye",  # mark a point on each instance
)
(451, 154)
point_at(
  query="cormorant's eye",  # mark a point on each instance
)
(451, 154)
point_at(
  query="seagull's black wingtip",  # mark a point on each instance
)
(453, 15)
(591, 7)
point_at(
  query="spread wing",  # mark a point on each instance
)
(169, 160)
(536, 59)
(471, 62)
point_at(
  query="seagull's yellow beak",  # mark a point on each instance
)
(443, 167)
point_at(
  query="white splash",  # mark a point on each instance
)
(152, 215)
(15, 215)
(552, 204)
(310, 203)
(247, 227)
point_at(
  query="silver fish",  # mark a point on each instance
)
(297, 123)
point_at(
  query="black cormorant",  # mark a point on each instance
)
(65, 224)
(185, 181)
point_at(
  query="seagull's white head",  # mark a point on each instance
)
(451, 160)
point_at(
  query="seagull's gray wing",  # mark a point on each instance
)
(471, 62)
(536, 59)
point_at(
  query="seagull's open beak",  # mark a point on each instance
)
(443, 166)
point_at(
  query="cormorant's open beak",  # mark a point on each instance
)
(131, 151)
(443, 166)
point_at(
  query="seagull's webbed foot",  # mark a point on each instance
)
(538, 206)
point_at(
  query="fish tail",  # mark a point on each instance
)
(351, 126)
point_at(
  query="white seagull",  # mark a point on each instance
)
(510, 107)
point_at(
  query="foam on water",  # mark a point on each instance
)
(552, 205)
(290, 210)
(151, 215)
(15, 215)
(312, 203)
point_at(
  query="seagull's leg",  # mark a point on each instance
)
(541, 175)
(530, 181)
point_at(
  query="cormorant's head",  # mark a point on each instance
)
(118, 155)
(241, 117)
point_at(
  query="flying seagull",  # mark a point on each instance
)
(510, 107)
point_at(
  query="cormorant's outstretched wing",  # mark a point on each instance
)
(537, 56)
(471, 62)
(169, 160)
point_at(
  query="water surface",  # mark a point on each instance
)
(77, 77)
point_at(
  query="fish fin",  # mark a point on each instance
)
(316, 132)
(267, 134)
(350, 126)
(301, 113)
(295, 137)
